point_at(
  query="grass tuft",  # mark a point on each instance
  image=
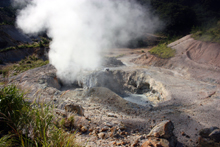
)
(28, 124)
(120, 55)
(29, 62)
(162, 51)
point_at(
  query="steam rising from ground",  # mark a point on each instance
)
(80, 29)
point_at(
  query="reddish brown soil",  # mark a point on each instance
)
(199, 60)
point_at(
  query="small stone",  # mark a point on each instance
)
(156, 142)
(101, 135)
(41, 81)
(183, 133)
(122, 133)
(163, 129)
(122, 127)
(74, 109)
(205, 132)
(123, 143)
(108, 124)
(90, 129)
(118, 144)
(111, 115)
(95, 132)
(215, 135)
(142, 137)
(136, 141)
(84, 129)
(105, 128)
(114, 143)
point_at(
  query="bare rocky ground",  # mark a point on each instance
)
(174, 94)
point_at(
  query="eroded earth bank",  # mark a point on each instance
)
(119, 104)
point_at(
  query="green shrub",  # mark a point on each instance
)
(119, 56)
(211, 34)
(5, 72)
(1, 61)
(163, 51)
(29, 62)
(43, 43)
(11, 105)
(30, 124)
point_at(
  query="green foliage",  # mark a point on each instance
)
(30, 124)
(7, 15)
(11, 105)
(179, 16)
(211, 34)
(10, 11)
(29, 62)
(43, 43)
(163, 51)
(119, 56)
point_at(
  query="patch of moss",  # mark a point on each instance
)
(119, 56)
(162, 51)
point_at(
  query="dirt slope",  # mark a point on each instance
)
(201, 52)
(195, 59)
(10, 36)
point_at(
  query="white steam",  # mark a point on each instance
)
(80, 29)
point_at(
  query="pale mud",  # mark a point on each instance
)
(190, 103)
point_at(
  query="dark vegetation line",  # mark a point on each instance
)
(29, 62)
(181, 16)
(43, 43)
(201, 18)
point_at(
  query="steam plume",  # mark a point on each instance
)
(80, 29)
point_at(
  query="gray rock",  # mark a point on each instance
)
(162, 130)
(215, 135)
(74, 108)
(41, 81)
(84, 129)
(105, 128)
(53, 82)
(108, 124)
(111, 115)
(101, 135)
(205, 132)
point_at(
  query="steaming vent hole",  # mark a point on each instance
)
(133, 87)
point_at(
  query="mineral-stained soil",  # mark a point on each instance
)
(195, 59)
(190, 99)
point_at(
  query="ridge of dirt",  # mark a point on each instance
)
(197, 59)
